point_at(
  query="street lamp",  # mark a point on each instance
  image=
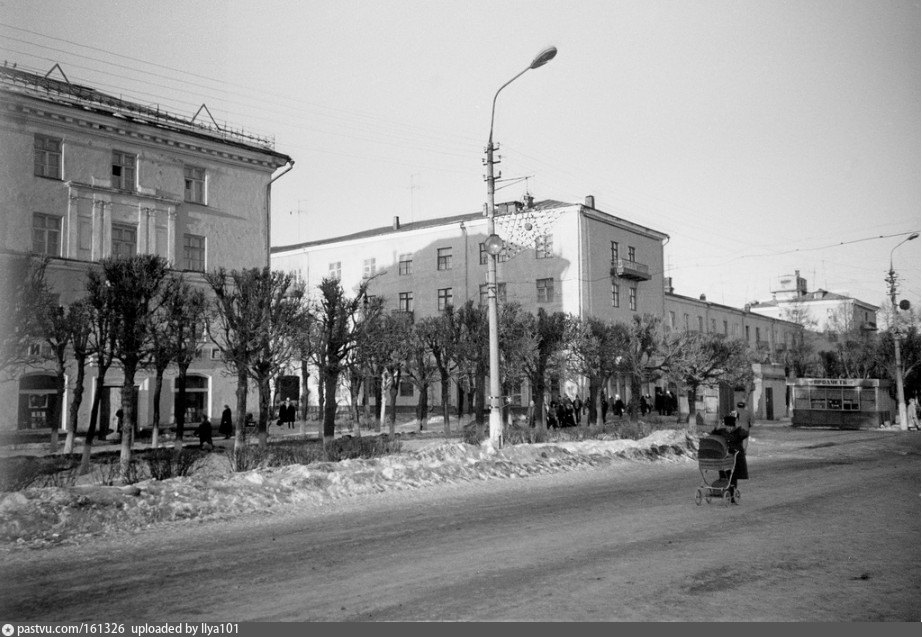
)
(894, 328)
(494, 246)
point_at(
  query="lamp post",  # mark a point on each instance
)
(494, 246)
(891, 279)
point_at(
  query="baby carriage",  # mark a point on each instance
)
(715, 458)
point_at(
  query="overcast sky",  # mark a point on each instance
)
(763, 136)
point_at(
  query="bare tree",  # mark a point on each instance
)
(595, 349)
(441, 334)
(81, 325)
(549, 333)
(101, 346)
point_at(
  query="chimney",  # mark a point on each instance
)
(529, 201)
(667, 285)
(703, 298)
(396, 225)
(590, 201)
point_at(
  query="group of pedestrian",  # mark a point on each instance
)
(287, 414)
(665, 402)
(565, 412)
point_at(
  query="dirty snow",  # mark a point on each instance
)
(39, 517)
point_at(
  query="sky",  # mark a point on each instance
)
(763, 137)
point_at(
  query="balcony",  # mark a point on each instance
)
(632, 270)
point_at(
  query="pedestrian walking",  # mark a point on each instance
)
(226, 428)
(204, 434)
(288, 413)
(912, 414)
(577, 411)
(619, 406)
(735, 435)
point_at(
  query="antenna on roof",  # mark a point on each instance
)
(213, 121)
(51, 70)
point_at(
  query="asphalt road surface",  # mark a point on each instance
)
(828, 530)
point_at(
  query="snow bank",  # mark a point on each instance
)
(43, 516)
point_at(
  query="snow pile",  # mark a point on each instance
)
(41, 516)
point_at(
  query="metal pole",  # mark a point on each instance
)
(895, 329)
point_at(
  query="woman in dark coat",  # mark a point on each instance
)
(734, 434)
(204, 434)
(226, 428)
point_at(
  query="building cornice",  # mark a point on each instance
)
(16, 105)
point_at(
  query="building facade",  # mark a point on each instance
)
(87, 176)
(568, 257)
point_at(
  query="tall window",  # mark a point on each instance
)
(193, 248)
(405, 265)
(672, 319)
(444, 258)
(195, 184)
(615, 295)
(405, 302)
(124, 240)
(368, 268)
(701, 324)
(747, 334)
(123, 170)
(544, 247)
(726, 331)
(758, 335)
(406, 389)
(500, 293)
(632, 299)
(47, 157)
(545, 290)
(631, 254)
(46, 234)
(713, 325)
(444, 298)
(614, 252)
(484, 255)
(686, 322)
(336, 270)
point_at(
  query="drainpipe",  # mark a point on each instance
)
(291, 164)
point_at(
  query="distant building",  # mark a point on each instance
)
(86, 176)
(818, 311)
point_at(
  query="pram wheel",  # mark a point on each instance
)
(736, 495)
(727, 498)
(698, 497)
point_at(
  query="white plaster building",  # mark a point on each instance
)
(86, 175)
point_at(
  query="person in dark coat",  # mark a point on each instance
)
(204, 434)
(734, 434)
(552, 414)
(604, 400)
(577, 411)
(227, 423)
(287, 413)
(619, 406)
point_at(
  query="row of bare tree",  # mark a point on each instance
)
(138, 314)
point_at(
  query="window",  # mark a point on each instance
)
(614, 252)
(672, 319)
(124, 240)
(46, 234)
(47, 157)
(123, 170)
(484, 255)
(713, 325)
(686, 317)
(368, 268)
(700, 324)
(444, 258)
(631, 253)
(503, 255)
(747, 333)
(500, 293)
(544, 247)
(195, 184)
(405, 302)
(545, 289)
(193, 250)
(615, 295)
(444, 299)
(633, 298)
(406, 389)
(215, 354)
(405, 265)
(336, 270)
(726, 332)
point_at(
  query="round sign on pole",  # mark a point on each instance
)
(904, 304)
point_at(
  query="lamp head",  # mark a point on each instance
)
(493, 244)
(544, 57)
(914, 235)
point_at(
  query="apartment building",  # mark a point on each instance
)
(87, 175)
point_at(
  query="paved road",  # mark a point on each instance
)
(829, 530)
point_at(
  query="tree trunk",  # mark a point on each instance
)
(692, 394)
(422, 408)
(94, 416)
(392, 418)
(592, 400)
(379, 403)
(537, 395)
(58, 410)
(128, 420)
(240, 428)
(75, 405)
(322, 395)
(446, 413)
(180, 407)
(329, 407)
(479, 400)
(262, 425)
(155, 420)
(305, 391)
